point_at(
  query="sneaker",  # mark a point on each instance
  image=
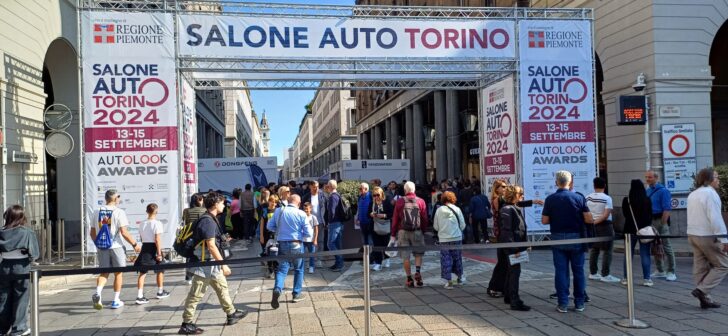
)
(418, 279)
(117, 304)
(595, 277)
(494, 294)
(236, 316)
(310, 270)
(579, 308)
(96, 299)
(377, 267)
(562, 309)
(410, 282)
(337, 269)
(623, 282)
(163, 294)
(609, 278)
(461, 280)
(190, 329)
(671, 277)
(647, 283)
(142, 300)
(387, 263)
(448, 285)
(587, 298)
(20, 333)
(319, 263)
(657, 274)
(299, 297)
(274, 301)
(553, 296)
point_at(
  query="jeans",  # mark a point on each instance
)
(14, 295)
(644, 257)
(310, 248)
(292, 249)
(664, 230)
(336, 229)
(566, 258)
(606, 259)
(367, 238)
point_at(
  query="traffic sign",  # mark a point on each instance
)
(678, 141)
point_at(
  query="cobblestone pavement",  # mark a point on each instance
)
(335, 305)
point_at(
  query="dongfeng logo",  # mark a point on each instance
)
(217, 164)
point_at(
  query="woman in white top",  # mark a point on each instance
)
(151, 254)
(449, 224)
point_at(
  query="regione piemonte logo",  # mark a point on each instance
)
(536, 39)
(104, 33)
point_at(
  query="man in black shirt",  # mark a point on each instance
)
(207, 233)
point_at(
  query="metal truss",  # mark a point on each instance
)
(346, 66)
(298, 84)
(251, 9)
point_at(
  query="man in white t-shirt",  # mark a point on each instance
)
(600, 206)
(115, 256)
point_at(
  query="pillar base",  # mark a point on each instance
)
(632, 324)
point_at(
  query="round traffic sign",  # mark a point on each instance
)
(679, 145)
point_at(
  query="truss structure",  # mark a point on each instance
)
(308, 73)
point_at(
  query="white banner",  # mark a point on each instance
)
(189, 141)
(498, 131)
(130, 116)
(226, 174)
(557, 108)
(235, 37)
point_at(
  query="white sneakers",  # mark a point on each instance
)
(657, 274)
(671, 277)
(595, 276)
(386, 263)
(376, 267)
(648, 283)
(310, 270)
(609, 278)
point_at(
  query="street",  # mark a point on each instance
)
(335, 305)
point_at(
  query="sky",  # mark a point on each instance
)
(285, 108)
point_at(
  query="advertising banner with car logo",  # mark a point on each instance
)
(130, 118)
(498, 134)
(557, 108)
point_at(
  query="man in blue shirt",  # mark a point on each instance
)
(479, 214)
(661, 206)
(566, 212)
(289, 224)
(362, 214)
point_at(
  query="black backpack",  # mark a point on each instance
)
(345, 207)
(186, 242)
(411, 218)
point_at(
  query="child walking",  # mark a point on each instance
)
(151, 254)
(309, 244)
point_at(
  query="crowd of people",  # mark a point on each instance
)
(289, 220)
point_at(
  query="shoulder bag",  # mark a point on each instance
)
(381, 226)
(645, 231)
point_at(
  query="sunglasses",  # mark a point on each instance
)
(377, 196)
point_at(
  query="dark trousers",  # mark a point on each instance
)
(248, 217)
(480, 226)
(513, 276)
(379, 241)
(14, 295)
(237, 222)
(498, 278)
(606, 259)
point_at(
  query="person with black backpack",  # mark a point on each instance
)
(336, 214)
(408, 224)
(208, 239)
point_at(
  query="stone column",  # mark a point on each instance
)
(409, 139)
(396, 150)
(419, 143)
(364, 145)
(388, 136)
(454, 153)
(377, 142)
(440, 136)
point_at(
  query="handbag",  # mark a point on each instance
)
(645, 231)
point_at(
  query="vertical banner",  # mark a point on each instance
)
(498, 131)
(189, 141)
(130, 116)
(557, 108)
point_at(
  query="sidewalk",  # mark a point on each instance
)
(680, 246)
(335, 306)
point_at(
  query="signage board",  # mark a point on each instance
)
(669, 111)
(24, 157)
(498, 133)
(632, 110)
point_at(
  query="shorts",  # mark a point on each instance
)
(147, 257)
(115, 257)
(410, 238)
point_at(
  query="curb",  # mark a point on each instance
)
(51, 283)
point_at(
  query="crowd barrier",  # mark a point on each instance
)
(364, 253)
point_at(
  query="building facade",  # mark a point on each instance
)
(242, 131)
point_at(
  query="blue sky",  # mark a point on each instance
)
(285, 108)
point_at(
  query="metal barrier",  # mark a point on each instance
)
(630, 322)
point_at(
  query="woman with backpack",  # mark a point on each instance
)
(18, 248)
(381, 212)
(449, 223)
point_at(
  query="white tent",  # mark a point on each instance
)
(228, 173)
(366, 170)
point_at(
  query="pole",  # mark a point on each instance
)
(49, 241)
(62, 243)
(367, 294)
(631, 321)
(648, 163)
(34, 302)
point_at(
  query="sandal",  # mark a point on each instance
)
(418, 279)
